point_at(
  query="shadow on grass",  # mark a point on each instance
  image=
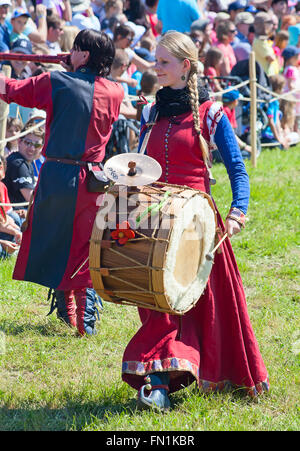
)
(44, 329)
(74, 416)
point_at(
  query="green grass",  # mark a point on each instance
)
(52, 380)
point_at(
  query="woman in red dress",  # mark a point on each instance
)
(213, 343)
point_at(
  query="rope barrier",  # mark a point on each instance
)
(20, 204)
(20, 135)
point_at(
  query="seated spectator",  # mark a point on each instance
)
(242, 22)
(280, 42)
(149, 87)
(10, 222)
(123, 37)
(67, 38)
(119, 65)
(280, 9)
(18, 20)
(262, 47)
(4, 31)
(273, 133)
(13, 127)
(20, 69)
(36, 117)
(230, 102)
(35, 30)
(19, 178)
(83, 15)
(112, 8)
(212, 66)
(54, 32)
(226, 32)
(292, 78)
(221, 17)
(236, 8)
(204, 26)
(287, 21)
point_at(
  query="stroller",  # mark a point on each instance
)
(240, 73)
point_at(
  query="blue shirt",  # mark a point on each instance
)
(4, 38)
(177, 14)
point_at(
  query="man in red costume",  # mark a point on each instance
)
(81, 106)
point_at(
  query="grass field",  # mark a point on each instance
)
(52, 380)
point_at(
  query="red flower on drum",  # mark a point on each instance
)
(123, 233)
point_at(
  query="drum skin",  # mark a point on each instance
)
(135, 273)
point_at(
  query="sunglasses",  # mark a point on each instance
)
(36, 145)
(232, 31)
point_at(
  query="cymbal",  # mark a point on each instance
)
(132, 169)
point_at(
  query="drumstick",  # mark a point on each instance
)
(210, 255)
(77, 270)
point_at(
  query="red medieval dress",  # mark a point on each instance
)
(214, 342)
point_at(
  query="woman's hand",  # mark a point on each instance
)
(232, 227)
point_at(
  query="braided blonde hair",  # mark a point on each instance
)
(182, 47)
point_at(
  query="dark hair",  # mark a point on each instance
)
(212, 57)
(101, 48)
(124, 31)
(54, 21)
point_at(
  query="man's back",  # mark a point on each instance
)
(177, 15)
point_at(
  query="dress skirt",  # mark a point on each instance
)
(213, 343)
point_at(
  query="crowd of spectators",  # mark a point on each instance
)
(224, 31)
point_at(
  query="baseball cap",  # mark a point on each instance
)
(244, 17)
(240, 4)
(199, 24)
(262, 17)
(144, 53)
(22, 46)
(18, 12)
(5, 2)
(290, 51)
(231, 96)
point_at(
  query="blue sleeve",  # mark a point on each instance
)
(228, 147)
(142, 134)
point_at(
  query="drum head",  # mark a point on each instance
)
(186, 268)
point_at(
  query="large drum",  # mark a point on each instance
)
(149, 246)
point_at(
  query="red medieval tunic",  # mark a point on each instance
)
(81, 108)
(213, 343)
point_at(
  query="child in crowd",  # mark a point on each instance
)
(212, 64)
(10, 233)
(230, 102)
(19, 21)
(149, 87)
(273, 132)
(292, 78)
(13, 127)
(280, 42)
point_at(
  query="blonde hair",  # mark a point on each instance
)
(182, 47)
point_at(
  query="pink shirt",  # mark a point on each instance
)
(228, 52)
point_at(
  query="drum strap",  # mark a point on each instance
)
(151, 122)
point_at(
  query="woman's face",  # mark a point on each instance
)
(170, 70)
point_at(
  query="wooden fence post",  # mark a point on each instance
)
(253, 111)
(4, 109)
